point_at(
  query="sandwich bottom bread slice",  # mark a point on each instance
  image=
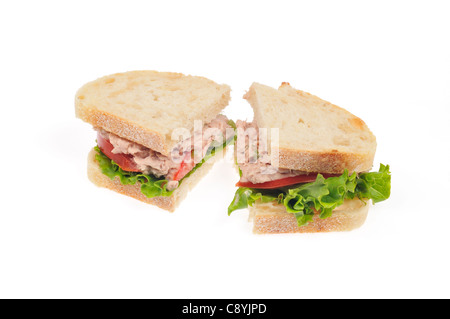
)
(313, 179)
(104, 174)
(339, 203)
(272, 217)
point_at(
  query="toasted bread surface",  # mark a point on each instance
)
(147, 106)
(314, 135)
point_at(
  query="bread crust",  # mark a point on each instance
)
(333, 162)
(272, 218)
(168, 203)
(122, 128)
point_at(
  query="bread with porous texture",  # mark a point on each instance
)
(272, 218)
(314, 135)
(168, 203)
(146, 106)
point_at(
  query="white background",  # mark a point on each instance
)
(62, 237)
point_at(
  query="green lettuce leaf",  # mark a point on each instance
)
(245, 197)
(151, 186)
(375, 185)
(233, 125)
(322, 195)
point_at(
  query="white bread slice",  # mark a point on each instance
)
(272, 218)
(146, 106)
(165, 202)
(314, 135)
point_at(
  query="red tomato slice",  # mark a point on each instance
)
(186, 166)
(284, 181)
(123, 160)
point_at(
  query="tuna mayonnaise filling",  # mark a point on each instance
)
(151, 162)
(255, 163)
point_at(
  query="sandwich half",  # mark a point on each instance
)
(156, 132)
(304, 164)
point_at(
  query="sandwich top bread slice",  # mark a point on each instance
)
(314, 135)
(156, 132)
(304, 163)
(146, 106)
